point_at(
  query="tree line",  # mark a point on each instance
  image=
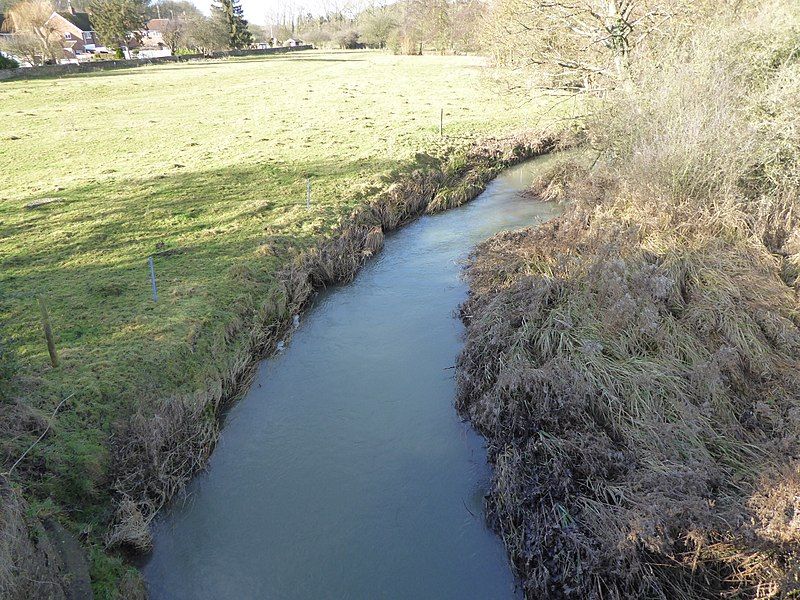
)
(407, 26)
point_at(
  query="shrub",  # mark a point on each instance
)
(6, 62)
(347, 39)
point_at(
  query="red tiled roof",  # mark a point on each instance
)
(157, 25)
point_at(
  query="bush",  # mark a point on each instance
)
(348, 39)
(6, 62)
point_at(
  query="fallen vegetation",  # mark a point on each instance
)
(635, 364)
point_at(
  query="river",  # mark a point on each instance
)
(345, 471)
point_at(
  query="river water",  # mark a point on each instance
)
(345, 472)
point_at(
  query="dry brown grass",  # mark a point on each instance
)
(635, 364)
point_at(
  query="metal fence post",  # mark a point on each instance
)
(153, 279)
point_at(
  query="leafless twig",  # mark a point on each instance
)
(41, 437)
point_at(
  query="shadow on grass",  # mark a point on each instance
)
(218, 237)
(144, 211)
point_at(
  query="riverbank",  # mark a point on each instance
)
(634, 364)
(346, 444)
(165, 441)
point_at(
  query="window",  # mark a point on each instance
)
(87, 36)
(68, 36)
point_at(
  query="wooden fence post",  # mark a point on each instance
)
(48, 332)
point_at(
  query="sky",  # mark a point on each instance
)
(256, 11)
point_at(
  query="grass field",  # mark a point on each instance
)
(202, 165)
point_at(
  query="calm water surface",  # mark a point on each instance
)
(345, 472)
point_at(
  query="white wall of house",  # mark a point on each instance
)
(154, 53)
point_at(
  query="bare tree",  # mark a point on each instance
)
(34, 39)
(175, 33)
(467, 20)
(577, 43)
(24, 47)
(206, 34)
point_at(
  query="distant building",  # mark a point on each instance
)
(291, 42)
(152, 40)
(76, 30)
(153, 34)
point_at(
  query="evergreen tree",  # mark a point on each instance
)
(231, 13)
(118, 20)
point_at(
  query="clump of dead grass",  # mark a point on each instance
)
(635, 364)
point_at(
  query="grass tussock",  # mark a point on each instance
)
(635, 364)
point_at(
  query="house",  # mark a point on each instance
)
(153, 41)
(291, 42)
(76, 30)
(153, 34)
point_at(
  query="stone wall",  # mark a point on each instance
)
(102, 65)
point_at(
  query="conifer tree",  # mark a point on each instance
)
(231, 13)
(117, 21)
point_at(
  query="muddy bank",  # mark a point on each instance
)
(164, 445)
(38, 559)
(637, 382)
